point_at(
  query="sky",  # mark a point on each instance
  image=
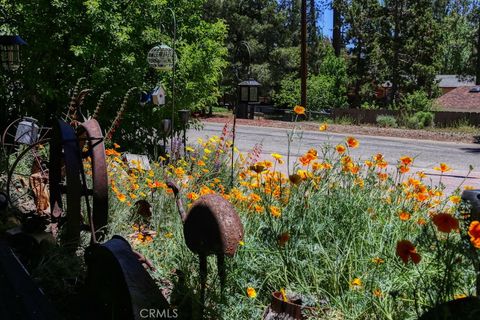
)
(326, 21)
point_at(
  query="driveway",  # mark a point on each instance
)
(427, 154)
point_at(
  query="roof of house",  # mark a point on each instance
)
(453, 81)
(460, 99)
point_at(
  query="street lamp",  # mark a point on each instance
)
(10, 51)
(162, 57)
(247, 95)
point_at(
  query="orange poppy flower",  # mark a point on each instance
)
(340, 149)
(445, 222)
(316, 166)
(443, 168)
(421, 221)
(313, 152)
(406, 160)
(121, 197)
(377, 293)
(323, 127)
(406, 250)
(382, 164)
(421, 196)
(383, 176)
(404, 216)
(299, 110)
(352, 142)
(455, 199)
(193, 196)
(111, 152)
(275, 211)
(474, 233)
(403, 169)
(307, 158)
(378, 157)
(251, 293)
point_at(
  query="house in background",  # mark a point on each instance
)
(449, 82)
(461, 99)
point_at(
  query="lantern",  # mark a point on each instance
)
(248, 97)
(249, 91)
(27, 131)
(10, 52)
(161, 58)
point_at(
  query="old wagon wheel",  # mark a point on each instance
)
(91, 143)
(65, 184)
(27, 179)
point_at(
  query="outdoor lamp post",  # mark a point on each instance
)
(162, 57)
(10, 51)
(247, 95)
(184, 117)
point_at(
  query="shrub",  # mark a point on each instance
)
(369, 106)
(425, 118)
(420, 120)
(416, 101)
(386, 121)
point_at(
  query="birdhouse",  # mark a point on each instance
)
(10, 52)
(161, 58)
(158, 96)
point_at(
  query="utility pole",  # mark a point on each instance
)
(303, 71)
(477, 71)
(337, 28)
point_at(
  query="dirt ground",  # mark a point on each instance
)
(432, 134)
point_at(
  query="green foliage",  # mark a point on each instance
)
(326, 90)
(420, 120)
(386, 121)
(369, 106)
(107, 42)
(416, 101)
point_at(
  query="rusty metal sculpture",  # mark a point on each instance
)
(91, 143)
(211, 226)
(118, 285)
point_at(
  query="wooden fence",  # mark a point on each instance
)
(442, 118)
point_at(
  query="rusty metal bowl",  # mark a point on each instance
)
(212, 226)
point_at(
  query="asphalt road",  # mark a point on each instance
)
(427, 154)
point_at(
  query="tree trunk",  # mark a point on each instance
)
(303, 71)
(313, 39)
(337, 28)
(477, 70)
(396, 51)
